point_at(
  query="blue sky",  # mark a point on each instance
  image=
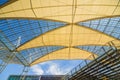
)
(56, 67)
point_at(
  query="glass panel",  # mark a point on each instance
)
(35, 53)
(92, 49)
(23, 30)
(3, 2)
(110, 26)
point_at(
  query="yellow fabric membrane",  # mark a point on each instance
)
(61, 37)
(64, 54)
(70, 35)
(60, 9)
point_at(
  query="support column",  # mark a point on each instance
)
(24, 72)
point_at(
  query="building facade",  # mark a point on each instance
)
(37, 77)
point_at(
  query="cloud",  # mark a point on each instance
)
(56, 69)
(36, 69)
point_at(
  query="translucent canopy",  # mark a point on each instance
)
(25, 29)
(65, 54)
(61, 10)
(110, 26)
(35, 53)
(93, 49)
(46, 30)
(61, 36)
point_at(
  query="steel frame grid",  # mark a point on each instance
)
(105, 66)
(12, 53)
(40, 52)
(103, 25)
(24, 59)
(13, 28)
(29, 23)
(111, 26)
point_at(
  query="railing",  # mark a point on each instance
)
(108, 47)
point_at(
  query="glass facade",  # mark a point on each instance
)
(36, 77)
